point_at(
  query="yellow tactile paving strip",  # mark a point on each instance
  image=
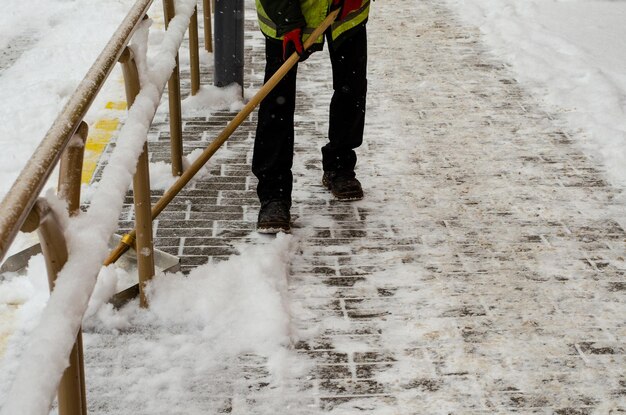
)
(100, 133)
(116, 105)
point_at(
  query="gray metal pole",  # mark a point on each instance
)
(229, 19)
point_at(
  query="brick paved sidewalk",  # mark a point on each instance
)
(484, 271)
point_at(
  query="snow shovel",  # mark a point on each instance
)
(128, 239)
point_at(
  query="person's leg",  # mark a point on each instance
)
(347, 107)
(273, 146)
(272, 157)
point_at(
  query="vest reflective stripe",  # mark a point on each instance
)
(352, 20)
(315, 11)
(265, 23)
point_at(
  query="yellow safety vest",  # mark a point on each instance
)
(315, 11)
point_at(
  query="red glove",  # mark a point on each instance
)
(292, 42)
(347, 6)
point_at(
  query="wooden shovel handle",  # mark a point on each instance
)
(195, 167)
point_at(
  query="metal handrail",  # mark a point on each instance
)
(22, 196)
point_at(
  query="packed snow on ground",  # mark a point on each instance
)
(571, 53)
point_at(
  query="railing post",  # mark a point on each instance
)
(141, 188)
(173, 90)
(70, 169)
(68, 188)
(71, 397)
(144, 244)
(194, 56)
(208, 37)
(229, 19)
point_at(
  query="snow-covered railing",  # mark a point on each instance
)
(84, 238)
(75, 248)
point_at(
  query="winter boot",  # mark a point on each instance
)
(274, 217)
(343, 185)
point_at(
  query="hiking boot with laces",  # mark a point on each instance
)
(274, 217)
(344, 186)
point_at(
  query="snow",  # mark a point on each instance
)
(240, 305)
(196, 329)
(199, 321)
(210, 97)
(38, 84)
(22, 300)
(571, 54)
(161, 177)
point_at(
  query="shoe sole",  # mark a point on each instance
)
(272, 229)
(344, 197)
(348, 198)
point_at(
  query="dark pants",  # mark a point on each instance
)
(273, 147)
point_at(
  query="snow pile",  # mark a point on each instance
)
(192, 343)
(210, 97)
(571, 53)
(239, 305)
(161, 177)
